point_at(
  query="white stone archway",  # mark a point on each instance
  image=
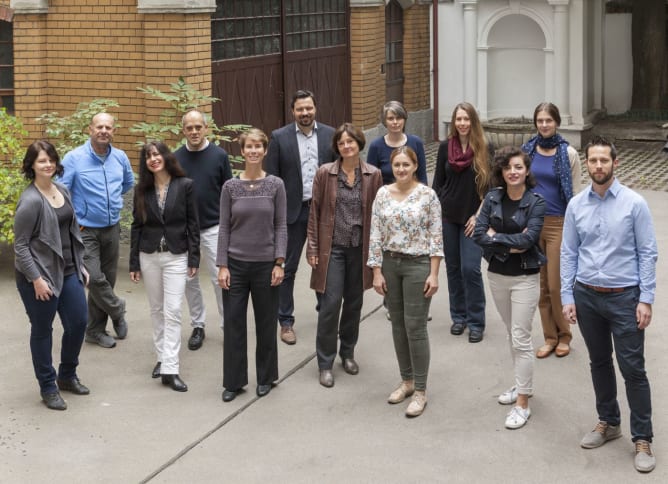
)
(516, 71)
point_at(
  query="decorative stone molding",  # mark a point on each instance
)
(366, 3)
(29, 6)
(176, 6)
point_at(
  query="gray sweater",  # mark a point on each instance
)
(38, 250)
(252, 221)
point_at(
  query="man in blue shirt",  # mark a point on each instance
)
(97, 175)
(295, 152)
(608, 279)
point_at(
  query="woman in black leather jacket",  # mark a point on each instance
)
(507, 228)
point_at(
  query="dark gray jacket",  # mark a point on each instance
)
(528, 217)
(38, 250)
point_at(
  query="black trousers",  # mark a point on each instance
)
(254, 279)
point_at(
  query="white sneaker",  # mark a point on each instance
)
(510, 396)
(517, 417)
(644, 460)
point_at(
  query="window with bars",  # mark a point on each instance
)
(313, 24)
(246, 28)
(7, 66)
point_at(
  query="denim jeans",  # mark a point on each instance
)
(252, 278)
(208, 245)
(516, 298)
(101, 262)
(296, 241)
(606, 319)
(164, 276)
(465, 287)
(71, 307)
(408, 311)
(343, 286)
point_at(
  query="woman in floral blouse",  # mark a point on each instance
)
(405, 250)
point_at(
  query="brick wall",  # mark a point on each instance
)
(367, 54)
(417, 75)
(86, 49)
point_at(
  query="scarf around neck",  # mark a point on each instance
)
(561, 164)
(459, 159)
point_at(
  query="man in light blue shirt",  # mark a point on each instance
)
(97, 175)
(608, 279)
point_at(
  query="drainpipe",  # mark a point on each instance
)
(434, 34)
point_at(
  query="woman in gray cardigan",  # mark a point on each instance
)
(50, 275)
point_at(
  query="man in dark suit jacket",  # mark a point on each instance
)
(295, 152)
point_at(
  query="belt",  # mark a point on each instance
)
(401, 255)
(306, 203)
(606, 290)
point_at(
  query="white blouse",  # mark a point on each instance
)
(412, 226)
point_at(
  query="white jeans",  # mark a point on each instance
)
(516, 299)
(208, 247)
(164, 277)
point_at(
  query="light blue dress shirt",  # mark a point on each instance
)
(308, 154)
(609, 242)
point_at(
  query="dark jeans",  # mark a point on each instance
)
(344, 284)
(252, 278)
(71, 307)
(296, 241)
(101, 262)
(462, 264)
(604, 319)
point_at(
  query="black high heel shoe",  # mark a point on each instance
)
(156, 370)
(175, 383)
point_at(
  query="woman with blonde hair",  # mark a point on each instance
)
(461, 181)
(252, 242)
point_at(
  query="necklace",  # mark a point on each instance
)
(51, 193)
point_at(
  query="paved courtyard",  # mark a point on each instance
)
(133, 429)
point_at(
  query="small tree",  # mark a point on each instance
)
(68, 132)
(180, 99)
(12, 182)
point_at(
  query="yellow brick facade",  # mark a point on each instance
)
(82, 50)
(367, 56)
(86, 49)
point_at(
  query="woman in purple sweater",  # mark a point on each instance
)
(252, 241)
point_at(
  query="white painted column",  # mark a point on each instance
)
(470, 50)
(562, 78)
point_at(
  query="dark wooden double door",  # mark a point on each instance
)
(265, 50)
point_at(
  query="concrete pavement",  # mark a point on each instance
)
(133, 429)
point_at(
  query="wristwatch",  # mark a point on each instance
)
(279, 264)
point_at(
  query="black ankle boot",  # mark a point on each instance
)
(175, 383)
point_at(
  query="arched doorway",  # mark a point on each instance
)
(515, 66)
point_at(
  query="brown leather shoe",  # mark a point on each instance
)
(327, 378)
(288, 335)
(544, 351)
(562, 350)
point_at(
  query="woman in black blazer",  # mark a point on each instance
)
(164, 246)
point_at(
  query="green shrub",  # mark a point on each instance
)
(180, 99)
(12, 182)
(68, 132)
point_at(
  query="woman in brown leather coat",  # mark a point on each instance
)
(338, 246)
